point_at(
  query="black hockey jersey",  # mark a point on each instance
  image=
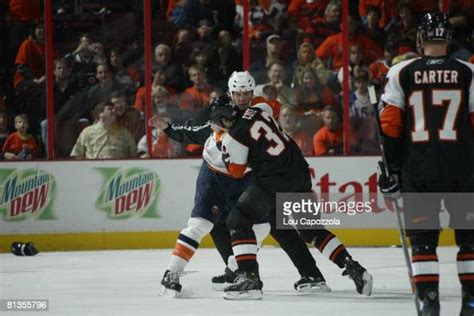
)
(432, 98)
(258, 141)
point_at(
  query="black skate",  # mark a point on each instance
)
(360, 276)
(430, 303)
(219, 282)
(310, 284)
(170, 284)
(247, 286)
(467, 308)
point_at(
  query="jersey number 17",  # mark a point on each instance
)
(448, 131)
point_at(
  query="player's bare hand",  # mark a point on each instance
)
(159, 122)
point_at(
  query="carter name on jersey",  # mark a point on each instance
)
(436, 76)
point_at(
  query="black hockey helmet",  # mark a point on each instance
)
(434, 27)
(224, 112)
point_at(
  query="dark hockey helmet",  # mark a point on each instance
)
(224, 112)
(434, 27)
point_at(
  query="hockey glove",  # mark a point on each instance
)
(388, 185)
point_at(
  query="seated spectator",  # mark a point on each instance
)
(403, 30)
(387, 10)
(174, 76)
(81, 105)
(30, 76)
(197, 96)
(312, 95)
(127, 116)
(360, 105)
(329, 139)
(105, 139)
(289, 121)
(356, 64)
(274, 46)
(276, 74)
(20, 145)
(372, 27)
(159, 79)
(182, 46)
(64, 87)
(163, 146)
(301, 12)
(84, 60)
(379, 68)
(128, 77)
(330, 49)
(230, 59)
(161, 105)
(322, 27)
(306, 58)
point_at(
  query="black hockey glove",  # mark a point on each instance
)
(388, 185)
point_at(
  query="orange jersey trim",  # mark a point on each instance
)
(236, 170)
(391, 121)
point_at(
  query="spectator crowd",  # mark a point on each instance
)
(296, 57)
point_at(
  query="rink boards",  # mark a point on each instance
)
(132, 204)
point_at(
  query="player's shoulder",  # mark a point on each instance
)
(469, 65)
(396, 69)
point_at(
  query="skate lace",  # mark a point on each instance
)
(241, 278)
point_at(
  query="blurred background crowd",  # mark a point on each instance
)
(296, 57)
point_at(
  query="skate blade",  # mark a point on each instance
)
(367, 289)
(243, 295)
(167, 293)
(219, 287)
(313, 288)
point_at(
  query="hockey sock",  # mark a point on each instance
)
(425, 268)
(331, 247)
(188, 242)
(221, 237)
(244, 246)
(465, 263)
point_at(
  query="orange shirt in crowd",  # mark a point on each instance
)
(31, 54)
(388, 9)
(25, 10)
(378, 69)
(194, 99)
(303, 140)
(140, 98)
(162, 148)
(15, 144)
(332, 47)
(305, 12)
(324, 140)
(471, 59)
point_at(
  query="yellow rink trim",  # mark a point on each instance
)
(166, 239)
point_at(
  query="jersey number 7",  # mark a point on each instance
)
(447, 132)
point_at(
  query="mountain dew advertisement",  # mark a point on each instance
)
(128, 192)
(26, 193)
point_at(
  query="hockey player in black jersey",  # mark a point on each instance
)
(428, 126)
(256, 140)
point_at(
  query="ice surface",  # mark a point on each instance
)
(128, 282)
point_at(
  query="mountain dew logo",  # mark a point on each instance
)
(128, 192)
(26, 193)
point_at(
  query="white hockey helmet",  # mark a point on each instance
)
(241, 81)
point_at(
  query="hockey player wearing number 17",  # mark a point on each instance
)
(428, 127)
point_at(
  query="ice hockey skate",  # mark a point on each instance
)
(311, 284)
(360, 276)
(467, 308)
(220, 282)
(430, 303)
(170, 286)
(247, 286)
